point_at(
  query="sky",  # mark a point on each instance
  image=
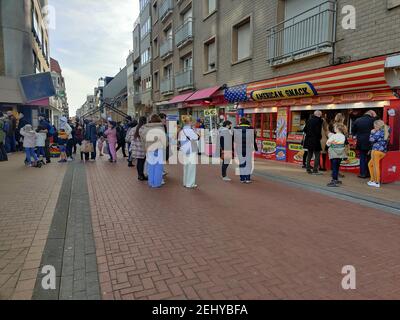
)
(90, 39)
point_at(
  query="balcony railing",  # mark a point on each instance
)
(184, 80)
(184, 34)
(166, 9)
(166, 49)
(166, 86)
(309, 33)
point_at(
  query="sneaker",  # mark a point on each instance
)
(163, 182)
(371, 183)
(70, 160)
(226, 179)
(317, 173)
(309, 172)
(332, 184)
(374, 184)
(338, 182)
(249, 182)
(243, 182)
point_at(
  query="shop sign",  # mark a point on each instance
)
(173, 118)
(281, 153)
(295, 147)
(301, 90)
(210, 113)
(295, 138)
(357, 96)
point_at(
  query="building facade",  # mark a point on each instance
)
(58, 103)
(275, 62)
(24, 50)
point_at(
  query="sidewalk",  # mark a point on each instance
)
(353, 187)
(28, 197)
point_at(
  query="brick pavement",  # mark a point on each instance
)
(28, 197)
(232, 241)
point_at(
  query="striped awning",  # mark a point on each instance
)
(360, 76)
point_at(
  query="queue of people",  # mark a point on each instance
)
(372, 136)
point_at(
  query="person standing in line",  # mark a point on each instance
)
(312, 142)
(226, 148)
(29, 145)
(163, 118)
(361, 129)
(379, 139)
(336, 144)
(340, 119)
(188, 139)
(3, 153)
(324, 147)
(111, 134)
(245, 145)
(64, 135)
(100, 137)
(155, 141)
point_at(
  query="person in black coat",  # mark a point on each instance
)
(312, 142)
(361, 129)
(246, 144)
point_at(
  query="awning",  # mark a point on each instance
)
(181, 98)
(10, 91)
(204, 94)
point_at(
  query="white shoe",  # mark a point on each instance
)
(226, 179)
(70, 159)
(374, 184)
(163, 182)
(371, 183)
(249, 181)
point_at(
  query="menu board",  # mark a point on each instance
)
(281, 134)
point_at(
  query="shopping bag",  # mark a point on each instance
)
(85, 148)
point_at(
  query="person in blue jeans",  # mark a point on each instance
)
(337, 152)
(29, 145)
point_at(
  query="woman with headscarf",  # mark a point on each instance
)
(155, 141)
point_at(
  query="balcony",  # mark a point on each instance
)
(166, 86)
(136, 74)
(308, 34)
(166, 10)
(184, 80)
(184, 34)
(166, 49)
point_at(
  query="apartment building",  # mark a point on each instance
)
(135, 106)
(59, 102)
(24, 50)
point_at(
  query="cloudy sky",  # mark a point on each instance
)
(91, 39)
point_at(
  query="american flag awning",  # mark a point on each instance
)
(359, 76)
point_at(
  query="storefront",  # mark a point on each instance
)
(279, 108)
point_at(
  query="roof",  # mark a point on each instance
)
(181, 98)
(55, 66)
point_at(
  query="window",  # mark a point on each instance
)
(168, 72)
(143, 4)
(156, 81)
(241, 41)
(210, 7)
(145, 57)
(146, 28)
(155, 48)
(210, 55)
(187, 63)
(155, 11)
(187, 15)
(35, 19)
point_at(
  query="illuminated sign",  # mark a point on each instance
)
(301, 90)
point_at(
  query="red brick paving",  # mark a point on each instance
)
(234, 241)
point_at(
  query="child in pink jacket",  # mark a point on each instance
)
(111, 135)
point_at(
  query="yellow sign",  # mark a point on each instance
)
(301, 90)
(210, 113)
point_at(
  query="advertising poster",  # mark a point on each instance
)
(281, 134)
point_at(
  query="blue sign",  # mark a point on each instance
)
(281, 153)
(173, 118)
(37, 86)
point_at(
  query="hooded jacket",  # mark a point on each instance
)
(29, 136)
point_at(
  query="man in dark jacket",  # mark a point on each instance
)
(246, 144)
(10, 134)
(3, 153)
(361, 129)
(91, 136)
(312, 142)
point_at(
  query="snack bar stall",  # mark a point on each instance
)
(279, 108)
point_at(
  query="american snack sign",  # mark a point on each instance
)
(300, 90)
